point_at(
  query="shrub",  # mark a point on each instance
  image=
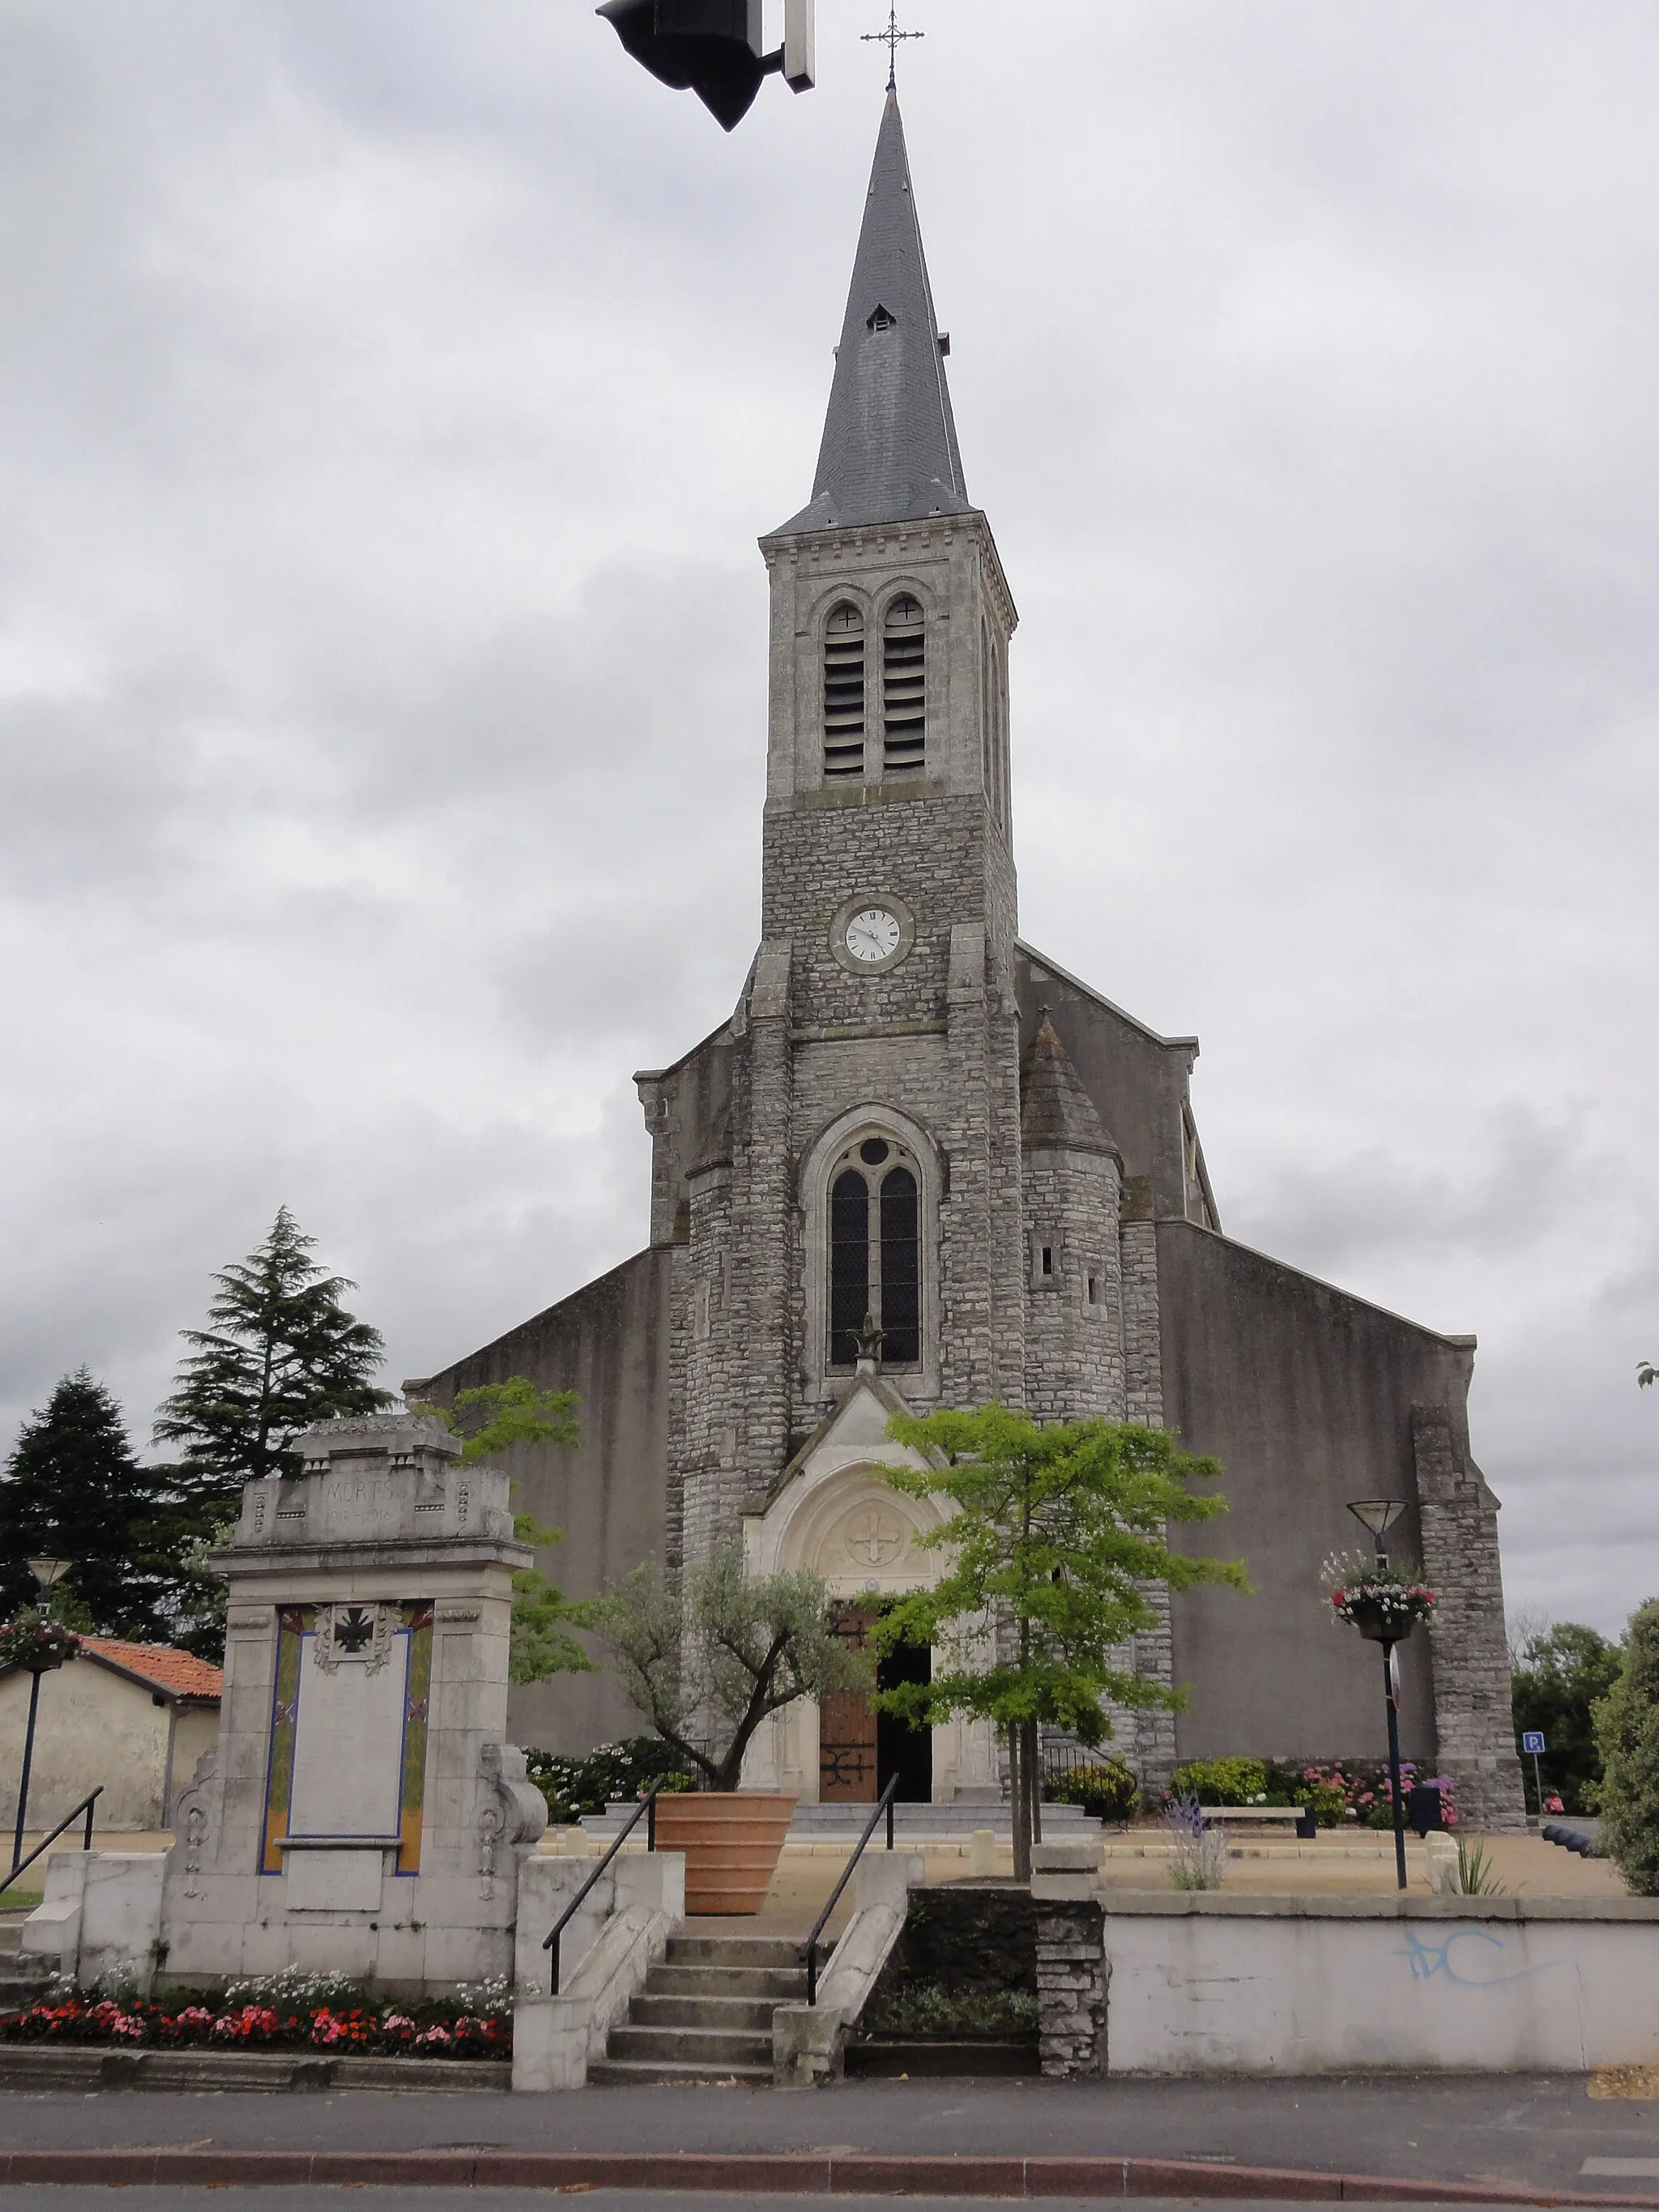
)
(1222, 1781)
(926, 2009)
(1359, 1791)
(1558, 1677)
(610, 1773)
(1627, 1734)
(1105, 1788)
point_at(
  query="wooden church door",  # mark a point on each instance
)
(847, 1726)
(859, 1750)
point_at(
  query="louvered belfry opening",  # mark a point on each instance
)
(875, 1252)
(843, 694)
(904, 689)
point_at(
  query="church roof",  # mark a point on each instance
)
(1055, 1110)
(890, 451)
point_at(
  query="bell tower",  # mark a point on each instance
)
(875, 1101)
(890, 620)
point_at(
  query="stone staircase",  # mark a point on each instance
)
(705, 2013)
(21, 1979)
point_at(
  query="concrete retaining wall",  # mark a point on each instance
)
(1214, 1984)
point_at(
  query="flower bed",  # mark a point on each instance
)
(1358, 1790)
(293, 2013)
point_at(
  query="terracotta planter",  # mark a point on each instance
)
(731, 1843)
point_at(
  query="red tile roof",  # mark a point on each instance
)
(181, 1672)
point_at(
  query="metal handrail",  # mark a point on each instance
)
(85, 1806)
(648, 1807)
(884, 1804)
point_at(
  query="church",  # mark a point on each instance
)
(915, 1119)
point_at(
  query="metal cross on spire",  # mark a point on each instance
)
(891, 38)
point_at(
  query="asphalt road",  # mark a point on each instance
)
(521, 2200)
(1531, 2131)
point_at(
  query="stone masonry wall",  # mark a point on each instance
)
(1473, 1719)
(1073, 1974)
(1074, 1341)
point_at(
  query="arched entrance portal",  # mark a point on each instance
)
(834, 1514)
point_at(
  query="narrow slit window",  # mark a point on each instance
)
(843, 694)
(1048, 1259)
(904, 689)
(851, 1296)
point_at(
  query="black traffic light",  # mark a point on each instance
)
(713, 48)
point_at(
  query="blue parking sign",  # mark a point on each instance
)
(1532, 1741)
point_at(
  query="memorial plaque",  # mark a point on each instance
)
(348, 1744)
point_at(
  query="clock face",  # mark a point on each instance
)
(873, 935)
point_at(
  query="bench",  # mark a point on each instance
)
(1301, 1815)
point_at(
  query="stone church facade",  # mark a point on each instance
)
(914, 1116)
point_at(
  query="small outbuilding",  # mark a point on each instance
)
(132, 1718)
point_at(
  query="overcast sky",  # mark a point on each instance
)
(393, 392)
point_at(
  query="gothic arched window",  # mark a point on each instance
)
(843, 692)
(904, 688)
(875, 1252)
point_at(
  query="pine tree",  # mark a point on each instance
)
(72, 1489)
(280, 1352)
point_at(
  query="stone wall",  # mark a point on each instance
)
(1305, 1394)
(1072, 1976)
(1473, 1715)
(612, 1344)
(970, 1941)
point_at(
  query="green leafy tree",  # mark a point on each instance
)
(1054, 1536)
(708, 1661)
(1560, 1675)
(280, 1353)
(1627, 1732)
(518, 1412)
(73, 1488)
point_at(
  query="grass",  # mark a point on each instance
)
(20, 1900)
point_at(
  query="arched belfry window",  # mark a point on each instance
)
(904, 688)
(843, 692)
(875, 1251)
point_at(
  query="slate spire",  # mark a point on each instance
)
(889, 451)
(1055, 1110)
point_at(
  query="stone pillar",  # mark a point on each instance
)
(1073, 1971)
(361, 1812)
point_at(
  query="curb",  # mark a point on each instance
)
(785, 2173)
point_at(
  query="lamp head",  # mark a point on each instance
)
(1378, 1515)
(48, 1573)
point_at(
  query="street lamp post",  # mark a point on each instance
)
(1379, 1515)
(48, 1573)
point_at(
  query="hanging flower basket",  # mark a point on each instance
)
(36, 1644)
(1383, 1611)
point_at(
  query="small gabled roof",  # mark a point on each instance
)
(1056, 1112)
(857, 1424)
(890, 451)
(162, 1669)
